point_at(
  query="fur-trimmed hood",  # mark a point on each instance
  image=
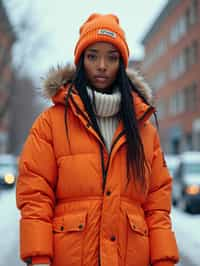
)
(58, 76)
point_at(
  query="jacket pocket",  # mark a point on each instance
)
(138, 224)
(137, 241)
(74, 222)
(69, 233)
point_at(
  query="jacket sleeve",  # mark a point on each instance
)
(157, 209)
(35, 190)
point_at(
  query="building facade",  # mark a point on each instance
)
(7, 38)
(172, 67)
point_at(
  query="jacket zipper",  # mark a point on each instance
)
(105, 171)
(103, 168)
(112, 147)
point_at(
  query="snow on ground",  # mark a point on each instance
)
(187, 230)
(9, 228)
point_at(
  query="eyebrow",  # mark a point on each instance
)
(96, 51)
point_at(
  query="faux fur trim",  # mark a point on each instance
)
(142, 85)
(59, 76)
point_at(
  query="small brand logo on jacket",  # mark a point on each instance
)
(107, 33)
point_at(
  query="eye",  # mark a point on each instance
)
(92, 57)
(113, 58)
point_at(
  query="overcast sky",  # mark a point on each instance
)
(60, 21)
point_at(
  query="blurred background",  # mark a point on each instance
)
(164, 42)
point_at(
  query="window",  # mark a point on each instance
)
(172, 105)
(190, 97)
(161, 48)
(178, 66)
(187, 16)
(177, 104)
(173, 69)
(155, 53)
(186, 55)
(162, 109)
(194, 53)
(178, 30)
(194, 12)
(182, 26)
(193, 97)
(191, 14)
(159, 80)
(181, 64)
(190, 55)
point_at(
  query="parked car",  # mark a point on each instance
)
(172, 162)
(8, 170)
(187, 178)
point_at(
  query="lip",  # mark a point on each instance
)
(100, 78)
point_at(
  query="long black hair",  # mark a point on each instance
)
(136, 161)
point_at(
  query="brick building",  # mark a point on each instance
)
(172, 66)
(7, 38)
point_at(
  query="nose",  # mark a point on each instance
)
(102, 64)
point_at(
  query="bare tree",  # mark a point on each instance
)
(30, 40)
(7, 37)
(22, 92)
(24, 111)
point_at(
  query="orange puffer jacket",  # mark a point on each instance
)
(68, 215)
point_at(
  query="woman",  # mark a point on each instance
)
(93, 187)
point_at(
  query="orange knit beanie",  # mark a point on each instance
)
(102, 28)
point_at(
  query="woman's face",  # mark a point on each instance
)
(101, 63)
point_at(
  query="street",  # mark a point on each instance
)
(186, 228)
(9, 242)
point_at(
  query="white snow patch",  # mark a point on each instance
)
(187, 231)
(9, 229)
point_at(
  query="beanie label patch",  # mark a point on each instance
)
(107, 33)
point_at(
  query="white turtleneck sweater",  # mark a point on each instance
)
(106, 107)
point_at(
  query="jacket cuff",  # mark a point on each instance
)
(164, 263)
(163, 247)
(36, 238)
(40, 260)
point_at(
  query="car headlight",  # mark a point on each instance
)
(192, 189)
(9, 179)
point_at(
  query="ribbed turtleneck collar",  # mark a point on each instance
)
(105, 105)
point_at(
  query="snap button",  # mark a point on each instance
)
(80, 226)
(133, 226)
(108, 193)
(113, 238)
(62, 228)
